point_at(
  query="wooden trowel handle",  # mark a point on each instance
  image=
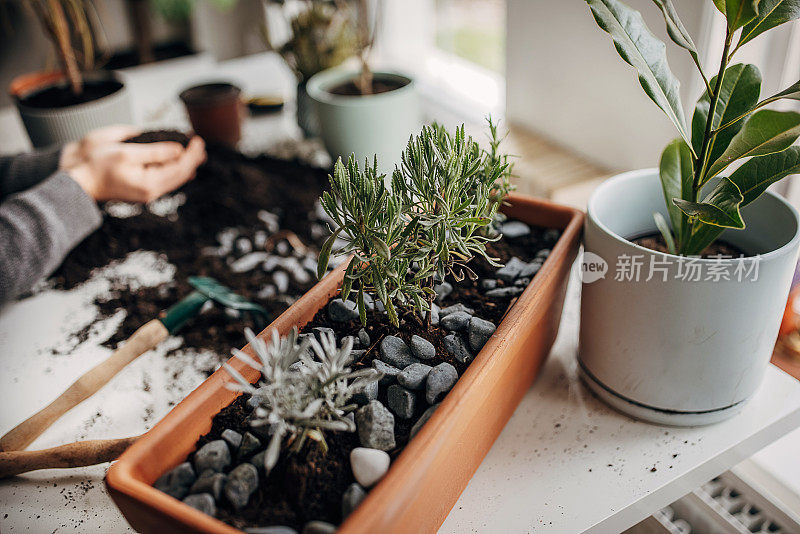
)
(145, 338)
(78, 454)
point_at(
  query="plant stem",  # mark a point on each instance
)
(708, 135)
(64, 47)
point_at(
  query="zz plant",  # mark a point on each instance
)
(728, 123)
(431, 222)
(299, 396)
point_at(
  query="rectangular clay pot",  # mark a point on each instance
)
(427, 478)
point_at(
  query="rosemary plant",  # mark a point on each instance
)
(300, 402)
(728, 124)
(430, 224)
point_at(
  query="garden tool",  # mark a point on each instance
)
(142, 340)
(78, 454)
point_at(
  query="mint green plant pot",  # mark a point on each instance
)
(378, 124)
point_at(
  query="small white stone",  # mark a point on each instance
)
(369, 465)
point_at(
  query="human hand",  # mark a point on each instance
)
(77, 152)
(138, 172)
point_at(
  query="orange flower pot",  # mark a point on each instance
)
(428, 476)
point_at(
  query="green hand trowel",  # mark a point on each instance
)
(147, 337)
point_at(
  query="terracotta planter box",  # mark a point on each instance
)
(428, 476)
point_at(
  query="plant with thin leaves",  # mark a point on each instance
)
(322, 34)
(427, 226)
(71, 27)
(300, 402)
(449, 184)
(728, 124)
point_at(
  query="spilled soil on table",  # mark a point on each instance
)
(229, 192)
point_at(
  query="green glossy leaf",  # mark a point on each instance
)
(663, 227)
(675, 169)
(675, 28)
(766, 131)
(752, 178)
(756, 174)
(738, 94)
(771, 13)
(719, 208)
(637, 45)
(737, 12)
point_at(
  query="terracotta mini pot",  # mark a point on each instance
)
(428, 476)
(215, 111)
(48, 126)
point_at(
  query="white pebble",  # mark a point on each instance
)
(369, 465)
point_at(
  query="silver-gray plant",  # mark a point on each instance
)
(302, 401)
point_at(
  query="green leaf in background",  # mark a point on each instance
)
(675, 170)
(719, 208)
(756, 174)
(737, 12)
(675, 28)
(771, 13)
(636, 44)
(739, 92)
(766, 131)
(663, 227)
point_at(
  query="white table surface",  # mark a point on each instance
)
(564, 463)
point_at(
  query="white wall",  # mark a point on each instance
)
(566, 81)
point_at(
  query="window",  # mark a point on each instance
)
(455, 49)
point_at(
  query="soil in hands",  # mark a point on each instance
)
(158, 136)
(379, 85)
(61, 96)
(228, 192)
(309, 485)
(716, 249)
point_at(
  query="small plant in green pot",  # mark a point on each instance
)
(658, 341)
(361, 110)
(57, 107)
(329, 415)
(321, 36)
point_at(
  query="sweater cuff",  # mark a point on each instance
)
(72, 205)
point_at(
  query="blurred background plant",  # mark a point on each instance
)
(71, 28)
(321, 34)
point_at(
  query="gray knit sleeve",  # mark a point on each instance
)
(23, 171)
(38, 227)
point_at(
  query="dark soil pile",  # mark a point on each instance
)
(378, 86)
(158, 136)
(229, 192)
(714, 250)
(309, 486)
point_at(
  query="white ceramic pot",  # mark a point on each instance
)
(50, 126)
(676, 347)
(366, 126)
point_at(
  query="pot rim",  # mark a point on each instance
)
(317, 85)
(41, 79)
(231, 92)
(591, 215)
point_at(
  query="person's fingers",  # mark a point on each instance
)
(153, 153)
(196, 151)
(161, 179)
(115, 133)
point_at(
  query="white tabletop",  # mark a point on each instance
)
(564, 463)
